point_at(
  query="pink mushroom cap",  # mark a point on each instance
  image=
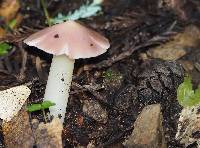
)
(70, 38)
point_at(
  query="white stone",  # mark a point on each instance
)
(12, 100)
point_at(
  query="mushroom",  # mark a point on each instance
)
(66, 41)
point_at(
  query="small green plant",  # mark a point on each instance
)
(87, 10)
(40, 106)
(188, 97)
(4, 48)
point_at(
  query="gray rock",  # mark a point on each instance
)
(148, 131)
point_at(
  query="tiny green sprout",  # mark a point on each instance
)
(47, 104)
(40, 106)
(187, 97)
(4, 48)
(34, 107)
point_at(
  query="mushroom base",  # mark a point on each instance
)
(58, 84)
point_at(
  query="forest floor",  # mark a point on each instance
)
(132, 74)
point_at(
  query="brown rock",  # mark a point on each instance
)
(178, 46)
(17, 132)
(167, 53)
(148, 132)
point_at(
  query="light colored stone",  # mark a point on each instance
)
(167, 52)
(148, 131)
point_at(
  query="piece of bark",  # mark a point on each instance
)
(148, 130)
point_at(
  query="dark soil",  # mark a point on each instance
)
(129, 82)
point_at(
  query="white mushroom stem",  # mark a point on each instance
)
(58, 84)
